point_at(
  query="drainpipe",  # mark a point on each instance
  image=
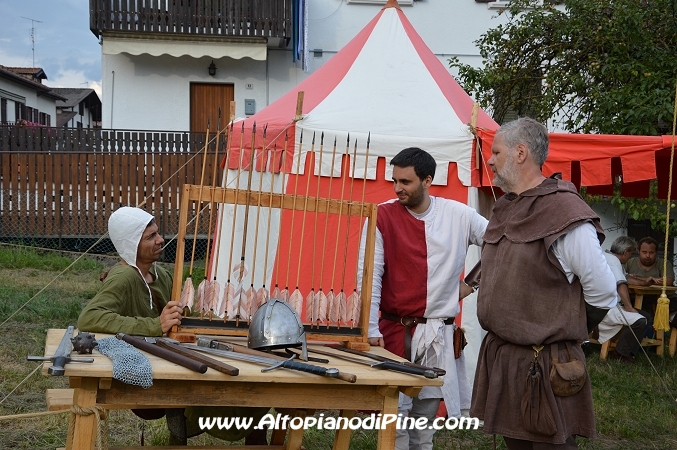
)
(112, 91)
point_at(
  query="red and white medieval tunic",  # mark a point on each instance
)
(418, 263)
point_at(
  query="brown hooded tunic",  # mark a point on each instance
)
(526, 299)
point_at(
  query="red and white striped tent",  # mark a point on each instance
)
(385, 85)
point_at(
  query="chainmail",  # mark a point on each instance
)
(129, 365)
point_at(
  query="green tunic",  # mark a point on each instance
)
(123, 304)
(632, 267)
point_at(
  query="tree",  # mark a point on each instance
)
(605, 66)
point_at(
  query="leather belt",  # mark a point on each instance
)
(409, 322)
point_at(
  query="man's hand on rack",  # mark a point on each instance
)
(170, 316)
(377, 341)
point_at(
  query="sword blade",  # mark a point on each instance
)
(62, 355)
(383, 365)
(437, 370)
(205, 345)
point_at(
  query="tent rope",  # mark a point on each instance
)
(104, 236)
(662, 318)
(101, 415)
(20, 383)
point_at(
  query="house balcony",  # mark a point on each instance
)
(204, 18)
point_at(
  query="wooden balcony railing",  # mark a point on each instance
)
(237, 18)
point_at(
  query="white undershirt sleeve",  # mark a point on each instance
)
(580, 255)
(379, 263)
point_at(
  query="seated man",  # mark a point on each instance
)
(647, 270)
(635, 323)
(135, 299)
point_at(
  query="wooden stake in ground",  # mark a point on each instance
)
(296, 299)
(232, 290)
(353, 301)
(188, 293)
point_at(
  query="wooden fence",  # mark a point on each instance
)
(65, 182)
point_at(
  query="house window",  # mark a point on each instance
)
(28, 114)
(19, 111)
(3, 110)
(36, 115)
(48, 120)
(81, 108)
(43, 118)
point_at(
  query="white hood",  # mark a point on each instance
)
(125, 227)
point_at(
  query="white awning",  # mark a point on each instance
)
(196, 48)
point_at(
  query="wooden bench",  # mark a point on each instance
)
(62, 399)
(59, 399)
(646, 342)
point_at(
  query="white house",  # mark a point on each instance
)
(80, 109)
(24, 97)
(170, 69)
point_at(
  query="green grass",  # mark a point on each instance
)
(633, 408)
(18, 257)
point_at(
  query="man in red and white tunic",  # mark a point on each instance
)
(421, 245)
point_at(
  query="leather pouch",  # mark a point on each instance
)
(459, 342)
(566, 378)
(536, 410)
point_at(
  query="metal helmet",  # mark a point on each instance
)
(276, 325)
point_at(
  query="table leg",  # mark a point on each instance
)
(386, 437)
(660, 336)
(85, 430)
(342, 436)
(639, 299)
(295, 437)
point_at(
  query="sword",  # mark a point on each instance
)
(437, 370)
(383, 365)
(206, 345)
(62, 356)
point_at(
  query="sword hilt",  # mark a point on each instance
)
(303, 367)
(317, 370)
(428, 373)
(57, 368)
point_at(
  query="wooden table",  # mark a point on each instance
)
(640, 292)
(175, 387)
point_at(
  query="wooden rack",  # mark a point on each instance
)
(353, 334)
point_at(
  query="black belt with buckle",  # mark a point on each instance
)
(409, 322)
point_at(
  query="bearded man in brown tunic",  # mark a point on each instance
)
(541, 262)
